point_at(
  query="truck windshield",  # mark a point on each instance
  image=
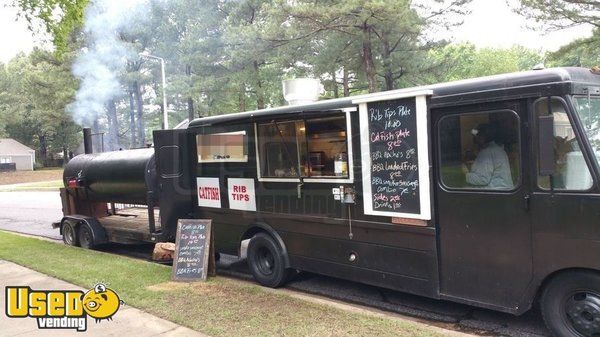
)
(588, 109)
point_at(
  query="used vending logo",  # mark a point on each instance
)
(62, 309)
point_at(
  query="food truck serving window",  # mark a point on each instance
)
(222, 147)
(309, 148)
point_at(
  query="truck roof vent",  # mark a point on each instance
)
(301, 90)
(539, 66)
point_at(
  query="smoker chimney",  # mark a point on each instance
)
(301, 90)
(87, 141)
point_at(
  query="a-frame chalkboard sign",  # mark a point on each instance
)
(193, 250)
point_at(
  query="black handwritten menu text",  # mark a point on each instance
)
(394, 156)
(191, 250)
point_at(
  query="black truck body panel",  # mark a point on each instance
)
(490, 249)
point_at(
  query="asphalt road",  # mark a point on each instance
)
(33, 212)
(30, 212)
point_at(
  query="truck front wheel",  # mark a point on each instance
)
(266, 261)
(571, 304)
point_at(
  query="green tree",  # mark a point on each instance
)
(59, 18)
(387, 36)
(579, 53)
(462, 61)
(558, 14)
(36, 89)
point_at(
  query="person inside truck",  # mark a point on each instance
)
(491, 168)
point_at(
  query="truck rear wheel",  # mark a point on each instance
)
(85, 236)
(266, 261)
(571, 305)
(69, 234)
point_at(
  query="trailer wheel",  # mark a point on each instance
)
(85, 236)
(69, 234)
(266, 261)
(571, 305)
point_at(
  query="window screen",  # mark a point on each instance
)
(480, 150)
(222, 147)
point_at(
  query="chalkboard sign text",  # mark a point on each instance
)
(394, 155)
(192, 249)
(394, 151)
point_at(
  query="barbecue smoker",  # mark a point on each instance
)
(112, 197)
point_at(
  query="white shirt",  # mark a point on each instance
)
(491, 169)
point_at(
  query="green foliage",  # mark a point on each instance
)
(381, 45)
(35, 89)
(561, 13)
(579, 53)
(59, 18)
(461, 61)
(225, 56)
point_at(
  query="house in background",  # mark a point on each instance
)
(12, 151)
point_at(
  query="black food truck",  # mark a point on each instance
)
(482, 191)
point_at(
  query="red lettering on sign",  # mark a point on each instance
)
(209, 193)
(239, 189)
(240, 197)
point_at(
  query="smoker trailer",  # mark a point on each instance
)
(483, 192)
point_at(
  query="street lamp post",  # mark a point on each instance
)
(164, 83)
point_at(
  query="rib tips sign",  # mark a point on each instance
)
(394, 147)
(192, 250)
(241, 194)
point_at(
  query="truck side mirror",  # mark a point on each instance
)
(546, 145)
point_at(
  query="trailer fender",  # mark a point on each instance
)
(98, 232)
(262, 227)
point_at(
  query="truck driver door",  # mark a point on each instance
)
(482, 202)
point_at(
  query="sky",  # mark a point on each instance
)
(14, 35)
(490, 24)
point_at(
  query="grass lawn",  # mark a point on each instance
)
(19, 177)
(219, 307)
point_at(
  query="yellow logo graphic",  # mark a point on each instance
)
(101, 302)
(62, 309)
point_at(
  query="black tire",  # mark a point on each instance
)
(266, 261)
(570, 305)
(85, 236)
(69, 234)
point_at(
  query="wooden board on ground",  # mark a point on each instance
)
(192, 250)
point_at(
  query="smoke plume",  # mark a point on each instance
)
(104, 56)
